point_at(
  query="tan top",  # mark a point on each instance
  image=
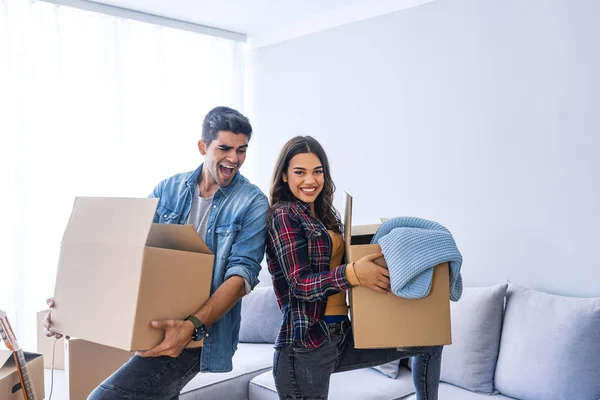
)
(336, 304)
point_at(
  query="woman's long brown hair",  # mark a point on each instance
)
(280, 190)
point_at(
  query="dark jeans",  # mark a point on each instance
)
(303, 374)
(152, 378)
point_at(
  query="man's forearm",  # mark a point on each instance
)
(225, 297)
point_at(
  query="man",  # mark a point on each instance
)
(230, 214)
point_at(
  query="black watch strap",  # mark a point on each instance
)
(197, 323)
(199, 328)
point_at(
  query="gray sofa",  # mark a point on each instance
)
(250, 360)
(508, 345)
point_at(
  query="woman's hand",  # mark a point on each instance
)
(372, 275)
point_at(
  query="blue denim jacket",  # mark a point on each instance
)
(236, 236)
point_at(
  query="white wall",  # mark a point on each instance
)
(481, 115)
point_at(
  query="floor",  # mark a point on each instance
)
(59, 391)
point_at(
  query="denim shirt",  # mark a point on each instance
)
(236, 236)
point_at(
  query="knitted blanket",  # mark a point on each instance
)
(412, 247)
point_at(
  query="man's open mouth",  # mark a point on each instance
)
(227, 170)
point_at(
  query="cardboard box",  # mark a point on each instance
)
(385, 320)
(118, 271)
(10, 386)
(49, 345)
(89, 364)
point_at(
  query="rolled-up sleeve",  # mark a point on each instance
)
(248, 250)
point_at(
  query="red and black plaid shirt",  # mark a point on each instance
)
(298, 254)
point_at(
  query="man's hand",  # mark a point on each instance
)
(48, 322)
(179, 333)
(372, 275)
(177, 336)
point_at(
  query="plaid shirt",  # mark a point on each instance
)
(298, 254)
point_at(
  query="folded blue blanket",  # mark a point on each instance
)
(412, 247)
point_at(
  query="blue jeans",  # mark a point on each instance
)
(303, 374)
(152, 378)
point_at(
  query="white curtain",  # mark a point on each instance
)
(91, 105)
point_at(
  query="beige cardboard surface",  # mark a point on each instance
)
(360, 230)
(387, 321)
(45, 345)
(10, 386)
(118, 272)
(88, 364)
(174, 285)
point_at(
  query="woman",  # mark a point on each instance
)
(304, 252)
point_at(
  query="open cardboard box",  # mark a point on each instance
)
(118, 271)
(385, 320)
(10, 386)
(88, 364)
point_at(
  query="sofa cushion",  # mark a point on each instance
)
(261, 317)
(389, 369)
(550, 347)
(470, 361)
(358, 384)
(451, 392)
(249, 360)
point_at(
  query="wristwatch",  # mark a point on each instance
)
(199, 328)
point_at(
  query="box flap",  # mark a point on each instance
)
(110, 220)
(352, 233)
(5, 355)
(347, 219)
(7, 362)
(361, 230)
(347, 224)
(176, 237)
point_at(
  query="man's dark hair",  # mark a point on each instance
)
(224, 119)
